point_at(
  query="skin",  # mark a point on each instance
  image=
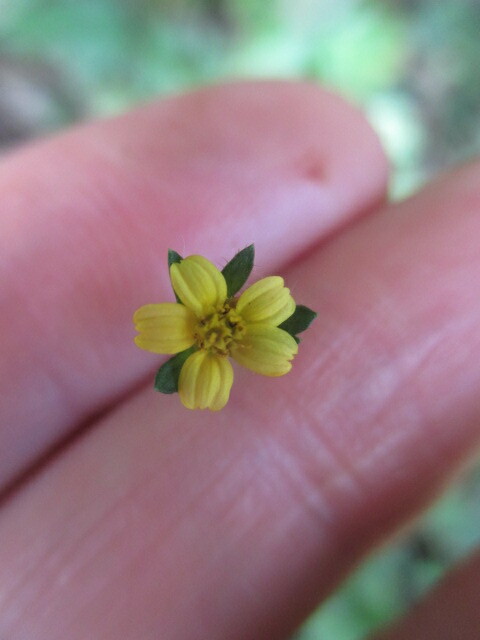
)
(125, 515)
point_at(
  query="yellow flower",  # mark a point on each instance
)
(244, 328)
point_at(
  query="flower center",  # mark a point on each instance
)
(217, 331)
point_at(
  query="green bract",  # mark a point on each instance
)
(300, 320)
(173, 257)
(236, 272)
(166, 380)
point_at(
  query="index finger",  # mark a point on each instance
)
(88, 217)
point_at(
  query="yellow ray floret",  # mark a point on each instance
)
(205, 381)
(267, 301)
(164, 328)
(199, 284)
(266, 350)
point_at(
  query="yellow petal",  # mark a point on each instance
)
(266, 350)
(267, 301)
(205, 381)
(164, 328)
(199, 284)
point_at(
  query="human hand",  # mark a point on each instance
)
(150, 521)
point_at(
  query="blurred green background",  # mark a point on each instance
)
(413, 65)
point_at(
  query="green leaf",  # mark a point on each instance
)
(166, 380)
(236, 272)
(300, 320)
(174, 257)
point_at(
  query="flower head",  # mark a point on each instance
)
(208, 325)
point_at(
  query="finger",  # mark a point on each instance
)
(176, 524)
(450, 612)
(88, 218)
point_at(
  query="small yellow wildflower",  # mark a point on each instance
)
(218, 326)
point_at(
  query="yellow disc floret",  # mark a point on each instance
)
(218, 331)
